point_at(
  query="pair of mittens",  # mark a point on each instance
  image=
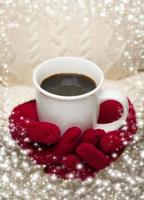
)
(74, 154)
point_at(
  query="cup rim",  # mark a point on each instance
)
(54, 96)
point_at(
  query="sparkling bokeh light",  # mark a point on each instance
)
(20, 178)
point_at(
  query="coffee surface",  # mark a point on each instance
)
(68, 84)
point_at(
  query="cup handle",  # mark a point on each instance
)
(117, 96)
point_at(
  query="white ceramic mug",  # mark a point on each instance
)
(81, 110)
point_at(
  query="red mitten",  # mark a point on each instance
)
(94, 157)
(92, 136)
(112, 142)
(67, 170)
(72, 162)
(43, 132)
(44, 157)
(70, 169)
(85, 173)
(110, 111)
(60, 155)
(24, 124)
(116, 141)
(26, 110)
(66, 145)
(68, 141)
(18, 133)
(79, 169)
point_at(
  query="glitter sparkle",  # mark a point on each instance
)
(20, 178)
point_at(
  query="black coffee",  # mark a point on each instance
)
(68, 84)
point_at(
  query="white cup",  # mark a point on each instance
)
(81, 110)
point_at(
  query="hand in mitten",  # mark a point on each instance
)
(32, 134)
(106, 143)
(91, 155)
(87, 161)
(24, 125)
(110, 111)
(72, 167)
(55, 154)
(72, 155)
(88, 157)
(116, 141)
(92, 136)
